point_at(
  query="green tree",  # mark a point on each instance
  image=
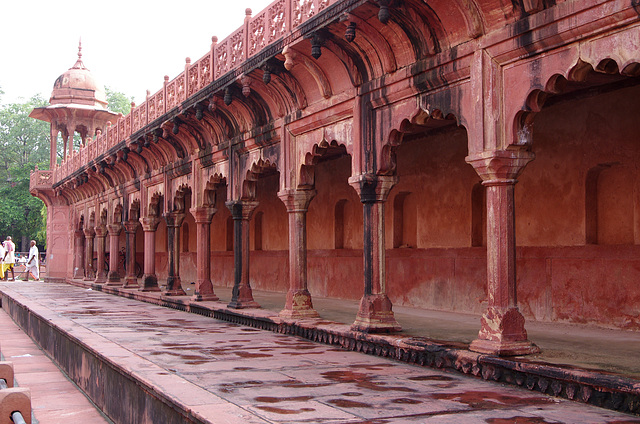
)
(118, 102)
(24, 143)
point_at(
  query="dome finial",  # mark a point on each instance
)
(80, 48)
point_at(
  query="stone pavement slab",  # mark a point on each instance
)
(216, 371)
(54, 398)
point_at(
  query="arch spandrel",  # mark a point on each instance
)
(448, 107)
(591, 63)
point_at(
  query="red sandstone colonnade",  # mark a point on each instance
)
(372, 138)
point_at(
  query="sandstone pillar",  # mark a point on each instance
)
(502, 329)
(113, 278)
(174, 284)
(375, 314)
(149, 279)
(241, 296)
(89, 273)
(130, 279)
(298, 303)
(204, 287)
(101, 273)
(78, 257)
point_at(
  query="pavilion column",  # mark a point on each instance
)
(375, 314)
(101, 273)
(241, 296)
(204, 287)
(174, 284)
(89, 234)
(78, 256)
(149, 279)
(113, 278)
(298, 303)
(502, 329)
(53, 159)
(130, 279)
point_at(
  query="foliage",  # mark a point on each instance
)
(118, 102)
(24, 143)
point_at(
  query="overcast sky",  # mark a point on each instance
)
(129, 46)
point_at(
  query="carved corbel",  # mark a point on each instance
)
(245, 81)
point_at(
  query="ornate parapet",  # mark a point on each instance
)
(40, 180)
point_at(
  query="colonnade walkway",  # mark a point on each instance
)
(143, 362)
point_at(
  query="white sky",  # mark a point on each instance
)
(128, 46)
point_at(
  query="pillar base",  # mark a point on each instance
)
(100, 280)
(375, 315)
(204, 297)
(130, 283)
(502, 333)
(242, 298)
(78, 273)
(89, 277)
(174, 287)
(299, 305)
(149, 283)
(504, 348)
(113, 279)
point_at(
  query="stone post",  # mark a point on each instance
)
(131, 279)
(502, 329)
(174, 284)
(101, 273)
(89, 272)
(298, 303)
(149, 279)
(204, 287)
(241, 296)
(113, 278)
(78, 267)
(375, 314)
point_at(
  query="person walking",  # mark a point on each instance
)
(9, 258)
(33, 263)
(2, 252)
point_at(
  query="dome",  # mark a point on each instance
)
(78, 86)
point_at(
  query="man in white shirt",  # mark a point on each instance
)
(9, 258)
(33, 263)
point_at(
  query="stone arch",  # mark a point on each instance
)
(609, 70)
(262, 167)
(319, 152)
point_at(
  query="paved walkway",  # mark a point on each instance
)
(231, 373)
(54, 398)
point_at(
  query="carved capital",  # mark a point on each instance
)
(241, 209)
(174, 219)
(296, 200)
(131, 226)
(203, 214)
(89, 232)
(114, 229)
(100, 231)
(149, 223)
(373, 188)
(500, 167)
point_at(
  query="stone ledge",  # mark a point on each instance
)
(594, 387)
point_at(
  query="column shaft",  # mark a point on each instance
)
(204, 287)
(101, 273)
(502, 329)
(298, 303)
(89, 273)
(241, 296)
(78, 268)
(131, 279)
(375, 314)
(149, 279)
(113, 278)
(174, 284)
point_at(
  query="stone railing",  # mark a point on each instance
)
(40, 180)
(279, 19)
